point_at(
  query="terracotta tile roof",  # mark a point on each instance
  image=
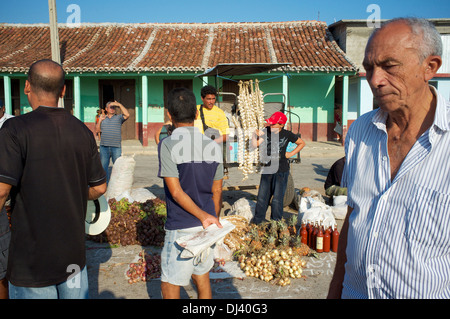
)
(307, 45)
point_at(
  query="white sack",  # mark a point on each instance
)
(313, 211)
(339, 207)
(243, 207)
(141, 195)
(121, 177)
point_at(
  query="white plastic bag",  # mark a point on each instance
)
(121, 176)
(314, 211)
(141, 195)
(339, 207)
(243, 207)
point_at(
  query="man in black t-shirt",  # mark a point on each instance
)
(51, 167)
(273, 142)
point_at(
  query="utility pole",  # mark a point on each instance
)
(54, 37)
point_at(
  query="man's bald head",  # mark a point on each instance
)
(46, 77)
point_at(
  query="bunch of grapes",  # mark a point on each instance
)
(134, 223)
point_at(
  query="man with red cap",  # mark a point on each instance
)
(273, 142)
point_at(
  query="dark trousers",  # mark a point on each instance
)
(271, 186)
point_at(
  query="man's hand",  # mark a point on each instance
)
(125, 112)
(210, 220)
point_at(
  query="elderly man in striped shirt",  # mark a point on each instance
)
(395, 241)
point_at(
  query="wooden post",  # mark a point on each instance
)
(54, 37)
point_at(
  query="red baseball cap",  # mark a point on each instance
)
(277, 118)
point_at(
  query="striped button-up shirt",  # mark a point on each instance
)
(112, 130)
(399, 231)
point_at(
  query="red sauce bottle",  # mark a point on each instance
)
(319, 240)
(327, 241)
(334, 239)
(304, 234)
(310, 235)
(316, 230)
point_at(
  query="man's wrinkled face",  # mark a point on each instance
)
(209, 100)
(393, 67)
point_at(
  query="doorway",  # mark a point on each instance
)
(169, 85)
(123, 91)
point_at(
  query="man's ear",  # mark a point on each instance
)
(432, 65)
(196, 114)
(63, 92)
(27, 88)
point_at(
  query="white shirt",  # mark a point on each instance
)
(399, 235)
(4, 118)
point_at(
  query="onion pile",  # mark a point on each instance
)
(272, 251)
(146, 268)
(276, 266)
(134, 223)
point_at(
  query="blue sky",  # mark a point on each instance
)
(146, 11)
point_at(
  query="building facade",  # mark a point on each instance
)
(138, 64)
(352, 36)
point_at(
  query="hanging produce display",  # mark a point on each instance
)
(251, 117)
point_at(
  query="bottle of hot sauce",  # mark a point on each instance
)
(319, 240)
(304, 234)
(316, 231)
(334, 239)
(326, 240)
(310, 235)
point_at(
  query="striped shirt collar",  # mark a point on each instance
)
(441, 116)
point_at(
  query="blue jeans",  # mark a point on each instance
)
(107, 153)
(74, 288)
(271, 185)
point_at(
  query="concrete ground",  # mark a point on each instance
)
(107, 265)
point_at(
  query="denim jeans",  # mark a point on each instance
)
(271, 185)
(107, 153)
(76, 287)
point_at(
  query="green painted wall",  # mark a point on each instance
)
(313, 98)
(311, 95)
(90, 99)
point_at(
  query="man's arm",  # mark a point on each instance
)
(4, 192)
(300, 145)
(335, 290)
(100, 120)
(96, 191)
(178, 194)
(125, 112)
(217, 195)
(257, 138)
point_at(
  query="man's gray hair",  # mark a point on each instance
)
(431, 39)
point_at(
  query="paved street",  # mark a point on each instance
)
(107, 266)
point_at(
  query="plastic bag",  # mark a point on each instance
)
(141, 195)
(339, 207)
(315, 211)
(121, 177)
(243, 207)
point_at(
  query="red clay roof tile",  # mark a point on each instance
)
(307, 45)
